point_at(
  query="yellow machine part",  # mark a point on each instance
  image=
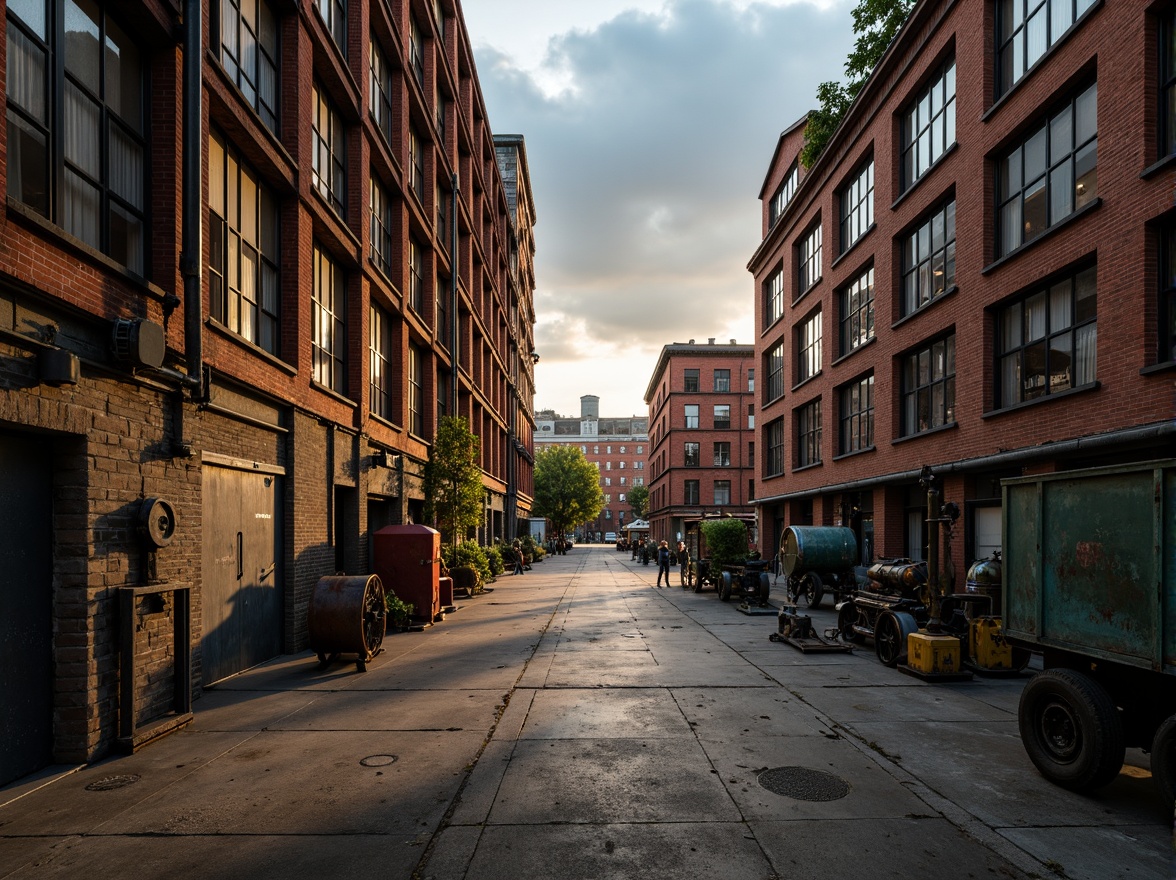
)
(986, 644)
(933, 654)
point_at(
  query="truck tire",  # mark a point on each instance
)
(1071, 729)
(1163, 760)
(725, 586)
(765, 589)
(814, 589)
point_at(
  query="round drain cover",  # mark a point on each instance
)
(110, 783)
(378, 760)
(804, 784)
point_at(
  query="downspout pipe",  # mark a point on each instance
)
(191, 196)
(454, 324)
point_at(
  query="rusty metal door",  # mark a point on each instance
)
(242, 592)
(26, 597)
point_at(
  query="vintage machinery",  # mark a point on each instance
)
(819, 559)
(797, 630)
(749, 582)
(887, 611)
(346, 616)
(702, 575)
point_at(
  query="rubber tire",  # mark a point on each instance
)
(847, 616)
(696, 580)
(765, 589)
(890, 639)
(814, 590)
(1163, 760)
(1085, 713)
(725, 587)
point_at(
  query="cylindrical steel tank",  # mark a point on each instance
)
(984, 579)
(903, 574)
(815, 548)
(347, 616)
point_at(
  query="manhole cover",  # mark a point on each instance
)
(804, 784)
(378, 760)
(110, 783)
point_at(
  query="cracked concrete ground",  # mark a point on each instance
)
(577, 722)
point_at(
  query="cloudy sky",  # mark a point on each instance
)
(649, 125)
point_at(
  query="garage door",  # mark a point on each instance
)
(242, 593)
(26, 597)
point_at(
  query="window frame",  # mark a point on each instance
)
(774, 441)
(856, 317)
(380, 81)
(1166, 326)
(774, 296)
(774, 367)
(718, 489)
(329, 147)
(1008, 353)
(688, 374)
(691, 454)
(856, 415)
(416, 390)
(808, 434)
(809, 250)
(260, 92)
(1018, 36)
(689, 497)
(910, 392)
(856, 201)
(722, 381)
(720, 423)
(924, 258)
(328, 322)
(380, 374)
(783, 194)
(380, 232)
(722, 453)
(689, 417)
(928, 125)
(1166, 75)
(1012, 190)
(257, 318)
(88, 195)
(809, 333)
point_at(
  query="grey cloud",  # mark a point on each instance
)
(646, 170)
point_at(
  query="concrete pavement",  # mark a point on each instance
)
(577, 722)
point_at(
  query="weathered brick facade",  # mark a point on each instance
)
(1109, 401)
(123, 430)
(669, 393)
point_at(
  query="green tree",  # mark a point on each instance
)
(638, 499)
(453, 480)
(875, 22)
(567, 488)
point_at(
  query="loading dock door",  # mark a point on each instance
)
(242, 593)
(26, 607)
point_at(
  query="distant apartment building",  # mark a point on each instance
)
(701, 400)
(975, 276)
(616, 446)
(251, 254)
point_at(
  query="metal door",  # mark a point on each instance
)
(242, 592)
(26, 597)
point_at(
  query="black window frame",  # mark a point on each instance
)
(928, 125)
(690, 377)
(1014, 34)
(722, 380)
(380, 372)
(809, 257)
(1166, 347)
(722, 453)
(689, 496)
(688, 417)
(1014, 350)
(691, 454)
(856, 201)
(856, 415)
(380, 234)
(1013, 191)
(721, 423)
(856, 316)
(783, 194)
(809, 345)
(259, 86)
(928, 267)
(774, 367)
(914, 389)
(808, 434)
(774, 440)
(380, 81)
(328, 306)
(329, 143)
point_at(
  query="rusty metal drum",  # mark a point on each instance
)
(818, 548)
(347, 616)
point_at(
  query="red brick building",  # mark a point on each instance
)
(701, 435)
(240, 280)
(616, 446)
(975, 275)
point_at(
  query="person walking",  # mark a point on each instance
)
(516, 550)
(663, 563)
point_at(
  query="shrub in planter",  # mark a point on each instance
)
(532, 550)
(494, 558)
(467, 554)
(399, 611)
(726, 541)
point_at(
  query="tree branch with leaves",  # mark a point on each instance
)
(567, 488)
(453, 479)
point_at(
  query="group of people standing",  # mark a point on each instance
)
(663, 555)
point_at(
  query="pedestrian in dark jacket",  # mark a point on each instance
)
(663, 563)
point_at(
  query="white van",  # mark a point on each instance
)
(610, 537)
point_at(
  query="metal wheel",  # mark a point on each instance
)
(1071, 729)
(890, 637)
(374, 616)
(724, 586)
(765, 588)
(847, 616)
(814, 589)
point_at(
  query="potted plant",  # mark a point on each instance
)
(399, 611)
